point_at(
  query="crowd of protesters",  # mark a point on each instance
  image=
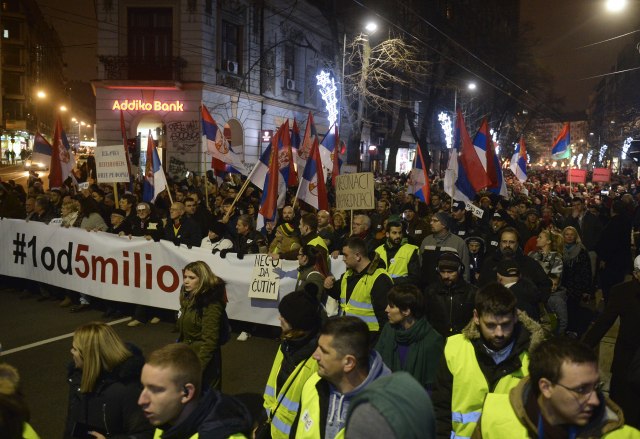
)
(440, 286)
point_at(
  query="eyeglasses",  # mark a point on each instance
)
(584, 392)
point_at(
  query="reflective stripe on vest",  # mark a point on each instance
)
(470, 385)
(359, 304)
(288, 410)
(400, 265)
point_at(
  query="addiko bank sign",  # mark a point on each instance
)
(139, 105)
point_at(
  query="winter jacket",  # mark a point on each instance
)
(431, 248)
(449, 309)
(112, 408)
(200, 325)
(216, 416)
(528, 334)
(576, 271)
(188, 233)
(528, 268)
(506, 416)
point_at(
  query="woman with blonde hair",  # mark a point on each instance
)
(202, 320)
(549, 252)
(104, 385)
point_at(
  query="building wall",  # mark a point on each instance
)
(254, 98)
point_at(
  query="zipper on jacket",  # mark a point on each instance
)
(104, 419)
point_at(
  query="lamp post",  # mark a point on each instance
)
(370, 28)
(40, 96)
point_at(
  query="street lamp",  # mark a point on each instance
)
(616, 5)
(40, 95)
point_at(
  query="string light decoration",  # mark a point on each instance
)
(603, 150)
(625, 147)
(572, 162)
(494, 138)
(327, 88)
(447, 127)
(579, 160)
(589, 156)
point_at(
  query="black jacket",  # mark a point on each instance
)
(188, 233)
(589, 231)
(614, 245)
(529, 269)
(449, 309)
(112, 408)
(217, 416)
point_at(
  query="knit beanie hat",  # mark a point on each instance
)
(287, 230)
(301, 310)
(444, 218)
(218, 228)
(449, 261)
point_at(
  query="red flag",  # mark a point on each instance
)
(469, 157)
(269, 202)
(323, 199)
(55, 169)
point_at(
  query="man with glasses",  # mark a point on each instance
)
(561, 398)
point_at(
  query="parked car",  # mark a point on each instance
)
(30, 164)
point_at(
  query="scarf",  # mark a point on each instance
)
(416, 363)
(571, 251)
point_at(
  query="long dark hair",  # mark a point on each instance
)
(317, 258)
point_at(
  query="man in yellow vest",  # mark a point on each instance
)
(491, 355)
(402, 260)
(172, 402)
(562, 397)
(346, 366)
(362, 290)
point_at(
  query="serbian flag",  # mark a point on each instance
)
(217, 144)
(154, 179)
(312, 188)
(419, 178)
(469, 158)
(519, 161)
(62, 161)
(483, 145)
(328, 145)
(306, 144)
(41, 150)
(560, 148)
(269, 202)
(456, 178)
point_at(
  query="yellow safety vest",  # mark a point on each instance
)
(309, 422)
(288, 409)
(399, 266)
(499, 420)
(470, 385)
(359, 304)
(158, 435)
(28, 432)
(318, 241)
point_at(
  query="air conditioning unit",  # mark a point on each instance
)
(290, 84)
(232, 67)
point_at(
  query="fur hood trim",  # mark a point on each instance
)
(536, 332)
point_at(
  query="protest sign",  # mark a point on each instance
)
(355, 191)
(576, 176)
(601, 175)
(111, 164)
(475, 210)
(265, 282)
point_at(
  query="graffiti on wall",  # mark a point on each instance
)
(183, 136)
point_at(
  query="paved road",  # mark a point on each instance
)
(36, 338)
(20, 176)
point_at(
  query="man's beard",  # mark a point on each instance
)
(508, 252)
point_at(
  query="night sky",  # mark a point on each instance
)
(561, 26)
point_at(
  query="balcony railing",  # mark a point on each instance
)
(157, 68)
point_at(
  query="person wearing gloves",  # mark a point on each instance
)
(300, 319)
(346, 366)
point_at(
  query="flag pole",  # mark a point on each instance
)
(115, 194)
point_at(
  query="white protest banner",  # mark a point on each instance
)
(265, 281)
(355, 191)
(111, 164)
(131, 270)
(475, 210)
